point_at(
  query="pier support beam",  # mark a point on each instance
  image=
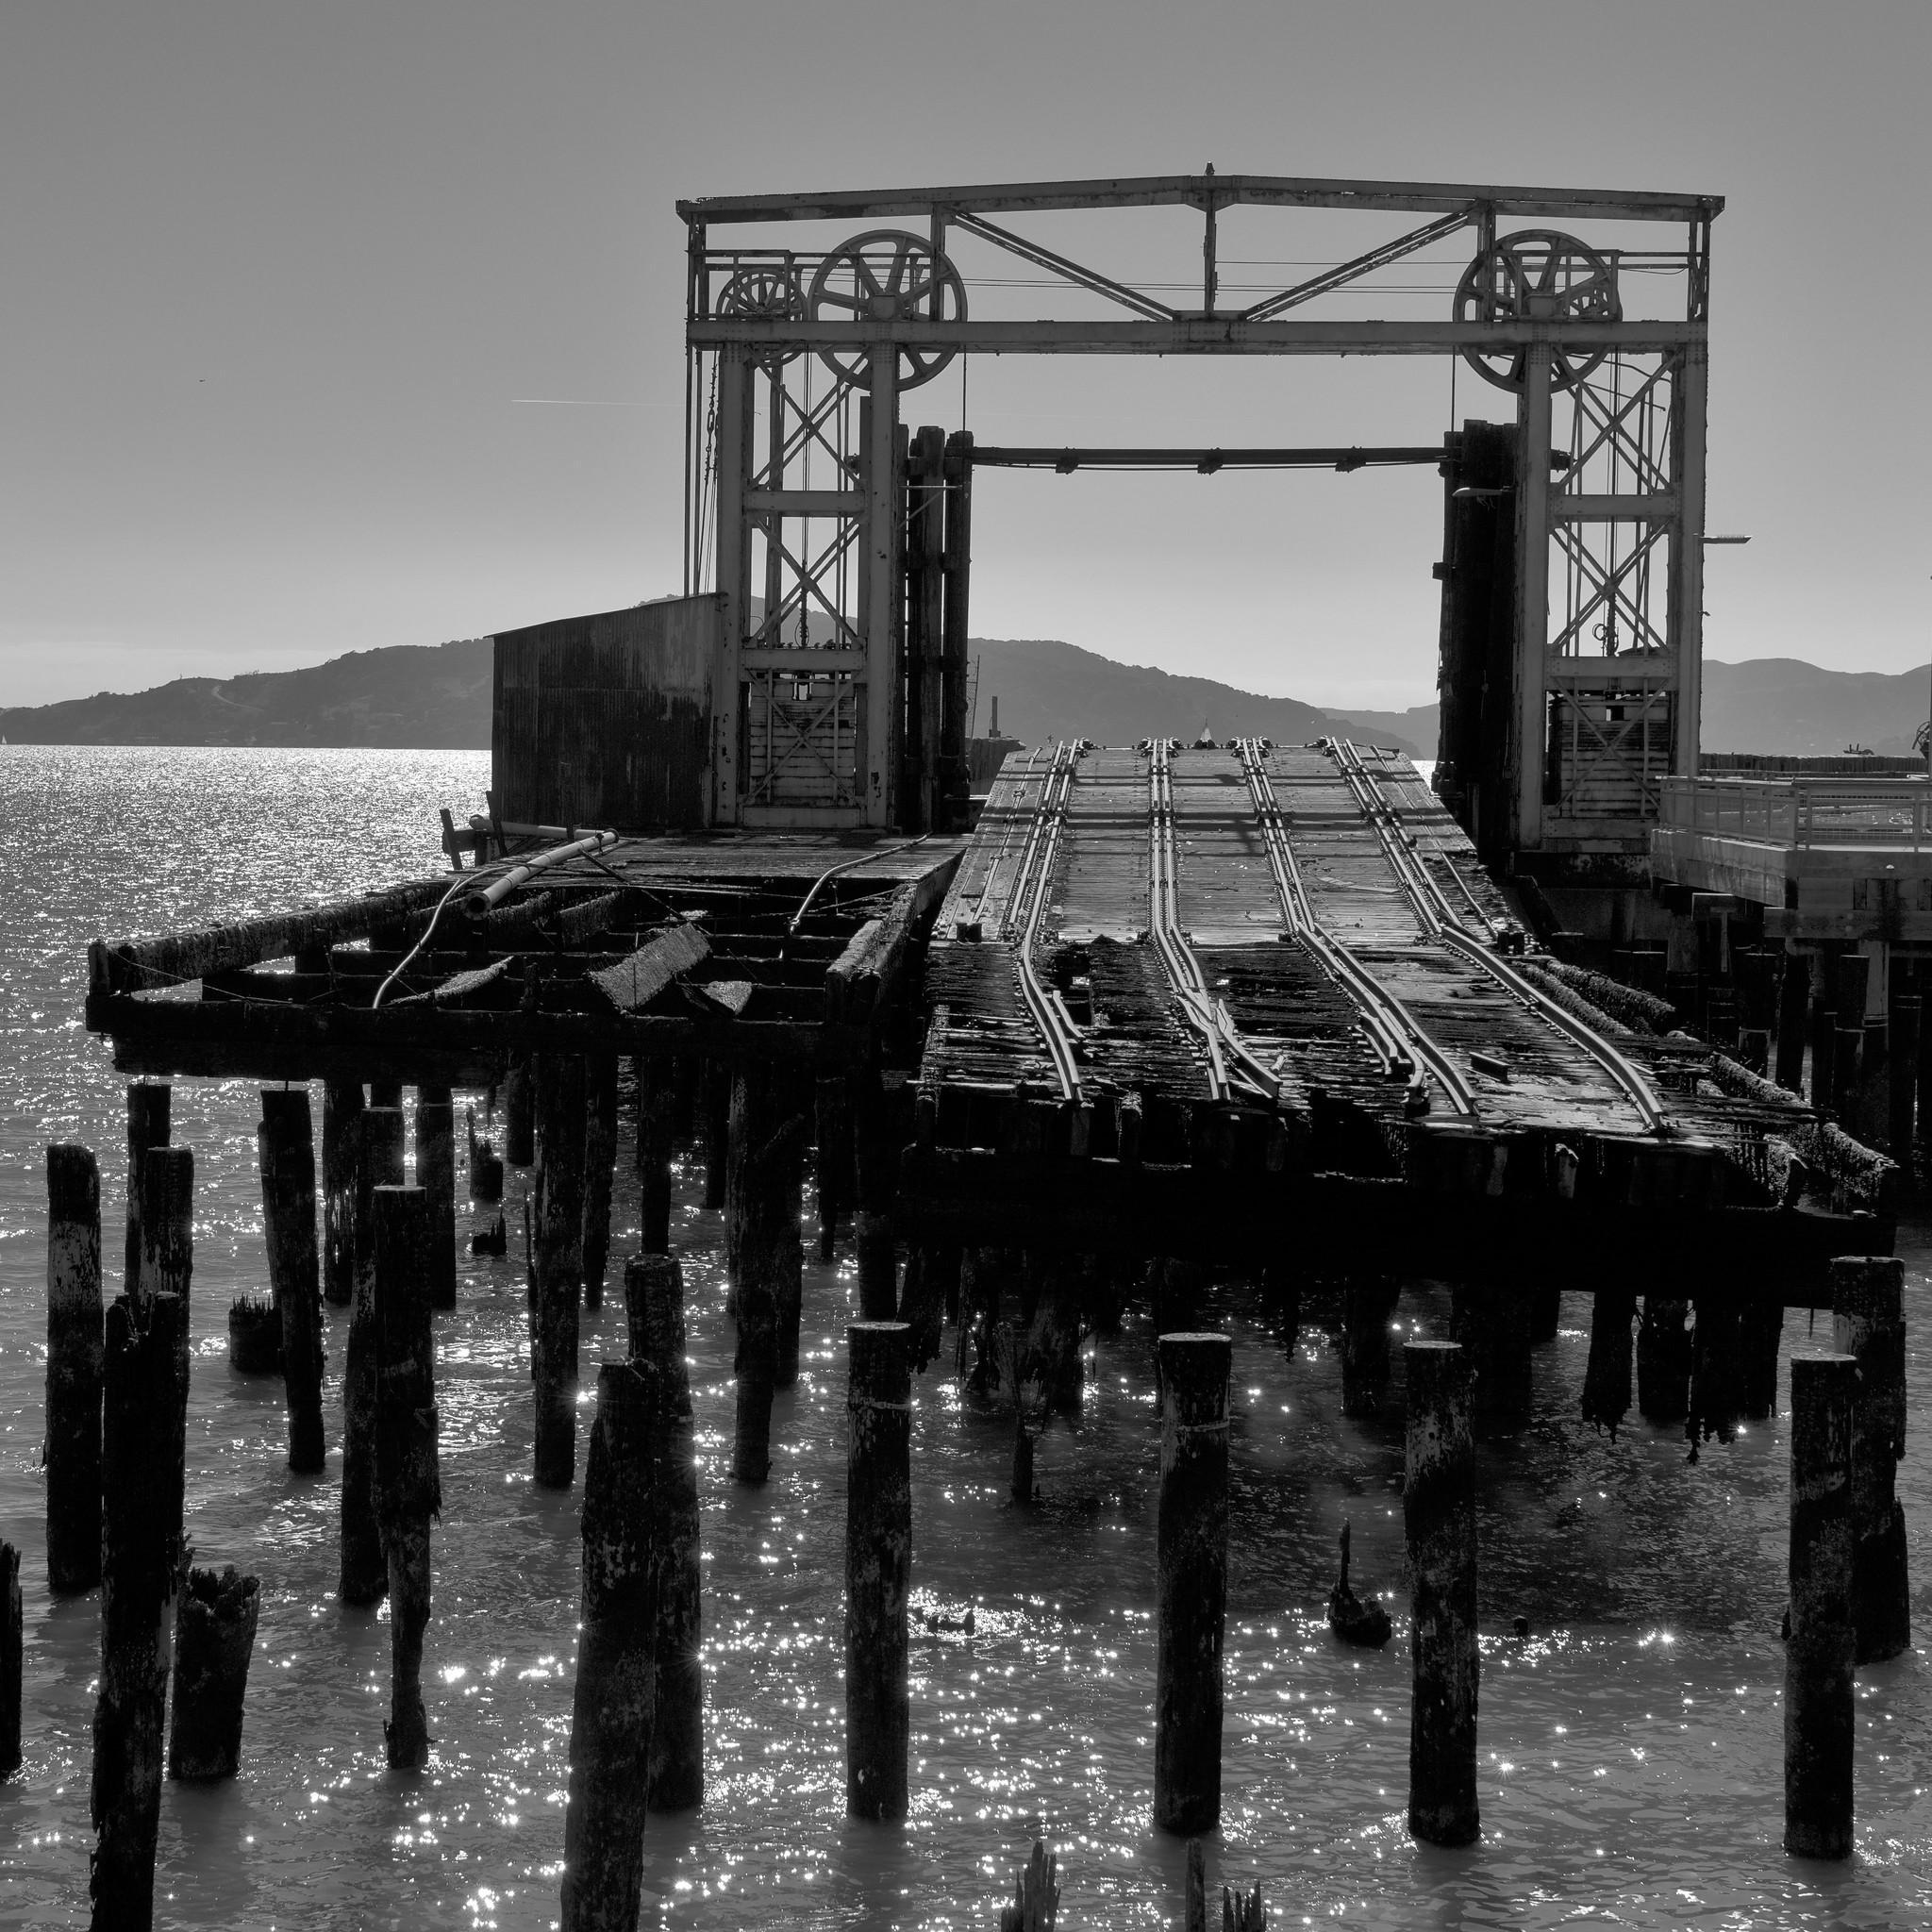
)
(1607, 1374)
(1366, 1306)
(1869, 1324)
(832, 1137)
(715, 1084)
(656, 1132)
(342, 1156)
(285, 1147)
(74, 1369)
(875, 1153)
(364, 1575)
(600, 1162)
(520, 1113)
(436, 1175)
(1819, 1712)
(1795, 994)
(12, 1659)
(408, 1488)
(1664, 1360)
(879, 1564)
(560, 1264)
(611, 1707)
(1192, 1581)
(654, 1302)
(1438, 1521)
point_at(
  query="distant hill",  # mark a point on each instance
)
(422, 697)
(435, 697)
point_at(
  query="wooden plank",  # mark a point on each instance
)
(128, 966)
(866, 974)
(635, 982)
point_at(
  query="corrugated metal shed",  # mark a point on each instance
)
(606, 719)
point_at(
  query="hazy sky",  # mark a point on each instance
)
(281, 276)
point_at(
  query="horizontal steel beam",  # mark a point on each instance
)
(1202, 192)
(1567, 508)
(1224, 335)
(1207, 461)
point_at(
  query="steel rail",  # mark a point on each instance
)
(1048, 1014)
(1441, 921)
(1209, 1016)
(992, 871)
(1398, 1039)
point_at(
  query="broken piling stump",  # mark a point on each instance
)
(341, 1160)
(653, 1301)
(1191, 1585)
(408, 1490)
(558, 1258)
(140, 1558)
(150, 1111)
(1819, 1712)
(1439, 1521)
(436, 1175)
(879, 1562)
(1868, 1323)
(254, 1336)
(74, 1369)
(285, 1143)
(611, 1703)
(1036, 1896)
(214, 1637)
(364, 1574)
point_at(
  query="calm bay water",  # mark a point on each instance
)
(1630, 1746)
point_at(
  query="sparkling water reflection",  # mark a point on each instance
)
(1630, 1744)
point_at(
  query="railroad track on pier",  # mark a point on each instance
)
(1442, 923)
(1025, 907)
(1404, 1047)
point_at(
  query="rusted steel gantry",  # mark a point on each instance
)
(838, 546)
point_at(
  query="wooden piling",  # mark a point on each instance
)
(1794, 993)
(150, 1111)
(600, 1160)
(875, 1156)
(1717, 1372)
(1761, 1328)
(611, 1705)
(879, 1564)
(1820, 1714)
(365, 1573)
(167, 1267)
(768, 1274)
(408, 1490)
(1191, 1585)
(141, 1558)
(1868, 1323)
(656, 1134)
(12, 1658)
(341, 1159)
(558, 1258)
(74, 1369)
(214, 1637)
(1664, 1360)
(832, 1170)
(653, 1301)
(285, 1144)
(1607, 1373)
(385, 1093)
(1439, 1521)
(715, 1084)
(1907, 1018)
(520, 1113)
(436, 1175)
(1036, 1900)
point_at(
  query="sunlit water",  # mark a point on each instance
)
(1630, 1746)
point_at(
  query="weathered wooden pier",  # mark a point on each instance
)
(1133, 1019)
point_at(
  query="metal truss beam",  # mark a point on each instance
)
(1203, 191)
(1017, 457)
(1223, 335)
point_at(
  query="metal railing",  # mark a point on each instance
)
(1892, 812)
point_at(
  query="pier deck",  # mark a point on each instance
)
(1257, 999)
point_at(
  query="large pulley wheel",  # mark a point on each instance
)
(1537, 274)
(767, 291)
(886, 274)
